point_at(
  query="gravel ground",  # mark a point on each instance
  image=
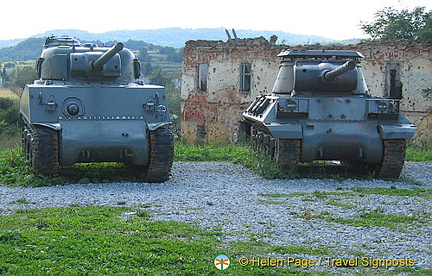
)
(234, 200)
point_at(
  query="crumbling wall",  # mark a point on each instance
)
(392, 69)
(413, 65)
(214, 114)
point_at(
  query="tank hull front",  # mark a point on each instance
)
(110, 140)
(330, 128)
(97, 123)
(357, 141)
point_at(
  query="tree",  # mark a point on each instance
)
(173, 96)
(147, 69)
(144, 56)
(157, 77)
(20, 76)
(425, 34)
(393, 24)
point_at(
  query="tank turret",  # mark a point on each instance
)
(333, 71)
(67, 59)
(330, 76)
(88, 105)
(321, 109)
(98, 64)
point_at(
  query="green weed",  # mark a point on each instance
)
(418, 154)
(99, 241)
(376, 218)
(14, 168)
(421, 192)
(244, 155)
(15, 171)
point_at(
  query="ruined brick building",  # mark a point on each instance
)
(220, 79)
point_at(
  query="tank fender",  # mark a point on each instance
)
(54, 126)
(285, 131)
(154, 126)
(399, 131)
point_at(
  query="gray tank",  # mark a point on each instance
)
(321, 109)
(89, 106)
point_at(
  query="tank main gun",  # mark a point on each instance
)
(99, 63)
(330, 76)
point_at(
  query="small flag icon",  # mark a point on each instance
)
(222, 262)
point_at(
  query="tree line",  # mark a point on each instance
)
(390, 23)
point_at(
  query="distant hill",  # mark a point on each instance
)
(30, 49)
(176, 37)
(9, 42)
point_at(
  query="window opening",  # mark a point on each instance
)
(246, 77)
(202, 76)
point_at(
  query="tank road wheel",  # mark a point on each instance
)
(41, 146)
(262, 141)
(287, 154)
(393, 158)
(161, 155)
(253, 134)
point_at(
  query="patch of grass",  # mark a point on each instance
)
(420, 192)
(14, 168)
(336, 202)
(7, 93)
(411, 270)
(105, 172)
(317, 194)
(207, 153)
(276, 195)
(21, 201)
(418, 154)
(376, 218)
(292, 249)
(250, 248)
(97, 241)
(246, 156)
(15, 171)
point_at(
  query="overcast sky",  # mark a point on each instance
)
(330, 18)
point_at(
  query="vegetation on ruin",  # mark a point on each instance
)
(390, 23)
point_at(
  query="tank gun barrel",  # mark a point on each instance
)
(347, 66)
(99, 63)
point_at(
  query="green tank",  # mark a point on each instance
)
(88, 105)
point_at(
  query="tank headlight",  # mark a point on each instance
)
(161, 110)
(291, 105)
(73, 109)
(394, 107)
(382, 106)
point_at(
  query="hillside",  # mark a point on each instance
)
(151, 56)
(176, 37)
(136, 40)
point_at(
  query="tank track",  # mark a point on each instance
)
(161, 155)
(393, 158)
(287, 154)
(41, 147)
(284, 152)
